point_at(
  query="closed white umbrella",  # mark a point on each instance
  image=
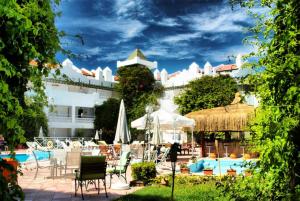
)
(122, 132)
(123, 136)
(41, 134)
(96, 136)
(156, 138)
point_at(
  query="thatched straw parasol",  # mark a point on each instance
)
(233, 117)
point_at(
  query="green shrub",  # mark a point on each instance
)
(144, 171)
(186, 180)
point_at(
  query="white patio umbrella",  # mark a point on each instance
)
(41, 134)
(122, 135)
(96, 135)
(156, 138)
(167, 121)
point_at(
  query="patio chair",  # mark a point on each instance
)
(41, 164)
(72, 161)
(63, 145)
(104, 149)
(102, 142)
(90, 144)
(153, 156)
(120, 168)
(162, 158)
(91, 168)
(59, 159)
(76, 144)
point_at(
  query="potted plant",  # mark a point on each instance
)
(193, 159)
(248, 172)
(247, 156)
(184, 168)
(233, 156)
(208, 171)
(231, 172)
(212, 155)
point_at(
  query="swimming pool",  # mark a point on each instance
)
(238, 164)
(27, 157)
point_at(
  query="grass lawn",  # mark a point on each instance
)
(182, 192)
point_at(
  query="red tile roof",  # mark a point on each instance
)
(86, 72)
(227, 67)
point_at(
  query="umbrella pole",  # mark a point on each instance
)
(192, 142)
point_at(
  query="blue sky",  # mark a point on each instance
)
(174, 33)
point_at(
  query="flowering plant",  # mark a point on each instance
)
(183, 165)
(193, 159)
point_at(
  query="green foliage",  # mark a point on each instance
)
(27, 32)
(33, 118)
(276, 126)
(182, 192)
(106, 118)
(137, 88)
(207, 92)
(6, 192)
(144, 171)
(134, 81)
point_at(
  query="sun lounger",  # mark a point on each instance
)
(36, 146)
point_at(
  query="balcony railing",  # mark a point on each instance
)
(85, 119)
(59, 118)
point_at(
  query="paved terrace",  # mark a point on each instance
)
(44, 188)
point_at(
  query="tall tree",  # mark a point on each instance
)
(276, 127)
(106, 118)
(137, 87)
(27, 32)
(207, 92)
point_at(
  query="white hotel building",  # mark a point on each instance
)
(72, 99)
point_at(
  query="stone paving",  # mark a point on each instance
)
(44, 188)
(60, 188)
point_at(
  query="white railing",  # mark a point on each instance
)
(85, 119)
(59, 118)
(54, 142)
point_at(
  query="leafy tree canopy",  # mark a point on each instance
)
(133, 82)
(137, 88)
(276, 126)
(27, 32)
(207, 92)
(33, 118)
(106, 118)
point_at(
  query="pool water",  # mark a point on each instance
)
(238, 164)
(41, 155)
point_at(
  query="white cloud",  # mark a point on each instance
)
(164, 51)
(127, 29)
(133, 8)
(93, 51)
(180, 37)
(168, 22)
(222, 55)
(217, 20)
(115, 56)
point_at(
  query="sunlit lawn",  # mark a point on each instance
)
(182, 192)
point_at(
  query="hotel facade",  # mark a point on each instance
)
(73, 95)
